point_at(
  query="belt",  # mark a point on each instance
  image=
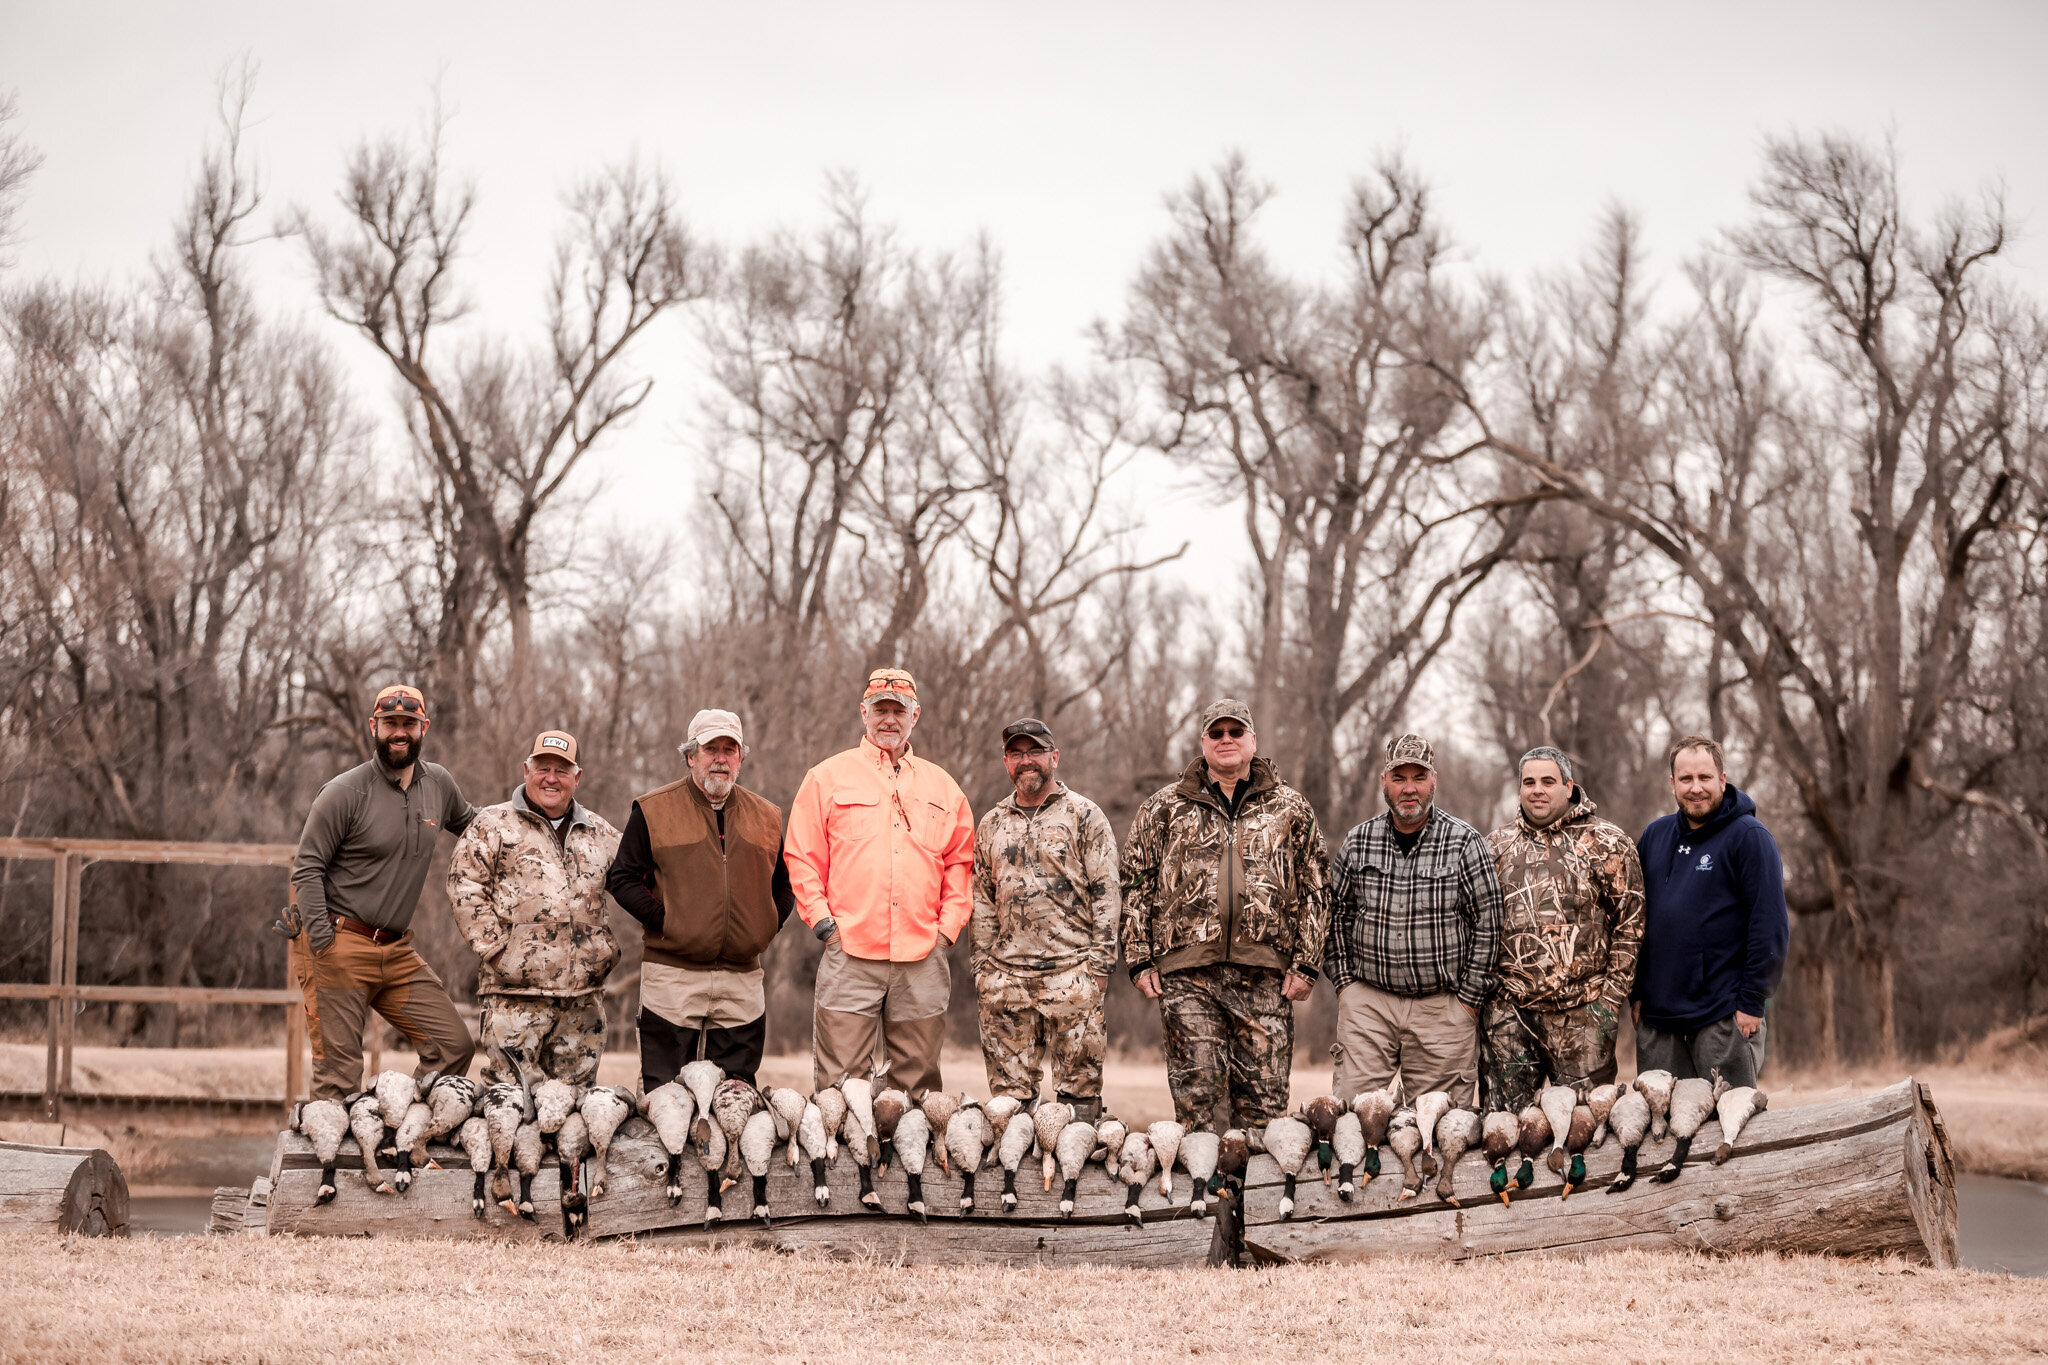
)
(368, 931)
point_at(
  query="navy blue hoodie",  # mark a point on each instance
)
(1716, 930)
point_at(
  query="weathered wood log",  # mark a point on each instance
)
(437, 1205)
(65, 1189)
(1860, 1176)
(230, 1211)
(1863, 1176)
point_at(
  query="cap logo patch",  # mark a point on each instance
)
(555, 742)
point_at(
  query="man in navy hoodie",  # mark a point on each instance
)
(1716, 931)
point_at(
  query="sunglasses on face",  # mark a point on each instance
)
(1227, 732)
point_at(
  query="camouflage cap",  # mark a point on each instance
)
(1409, 749)
(1230, 708)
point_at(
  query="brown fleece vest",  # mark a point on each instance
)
(719, 908)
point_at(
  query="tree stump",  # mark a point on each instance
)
(62, 1189)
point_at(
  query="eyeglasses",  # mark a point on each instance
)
(398, 701)
(1227, 732)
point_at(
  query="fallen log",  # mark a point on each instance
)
(1860, 1176)
(62, 1189)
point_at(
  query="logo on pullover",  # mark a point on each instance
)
(1706, 862)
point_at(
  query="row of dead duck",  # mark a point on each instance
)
(733, 1128)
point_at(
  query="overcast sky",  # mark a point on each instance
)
(1055, 128)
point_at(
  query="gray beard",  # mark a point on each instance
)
(716, 789)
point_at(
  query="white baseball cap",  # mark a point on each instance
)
(710, 724)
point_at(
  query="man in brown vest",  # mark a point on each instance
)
(700, 866)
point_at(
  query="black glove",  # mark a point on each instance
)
(320, 932)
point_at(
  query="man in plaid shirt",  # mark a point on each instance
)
(1415, 914)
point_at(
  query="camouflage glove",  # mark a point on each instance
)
(320, 932)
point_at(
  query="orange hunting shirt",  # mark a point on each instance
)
(886, 850)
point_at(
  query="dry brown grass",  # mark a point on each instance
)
(1997, 1112)
(247, 1299)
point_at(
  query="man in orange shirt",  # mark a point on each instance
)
(880, 849)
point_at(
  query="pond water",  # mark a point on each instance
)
(2004, 1223)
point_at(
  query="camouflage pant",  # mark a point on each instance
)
(1025, 1019)
(559, 1038)
(1229, 1041)
(1573, 1047)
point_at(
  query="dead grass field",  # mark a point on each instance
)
(233, 1299)
(1996, 1110)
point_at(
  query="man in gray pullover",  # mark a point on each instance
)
(364, 855)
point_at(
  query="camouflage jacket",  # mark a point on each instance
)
(1045, 886)
(532, 908)
(1574, 909)
(1176, 863)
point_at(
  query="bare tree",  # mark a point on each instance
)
(1369, 518)
(18, 161)
(503, 430)
(1833, 516)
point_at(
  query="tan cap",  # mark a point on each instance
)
(554, 744)
(1409, 749)
(708, 725)
(1230, 708)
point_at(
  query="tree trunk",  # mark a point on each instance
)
(62, 1189)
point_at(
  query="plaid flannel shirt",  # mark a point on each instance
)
(1415, 924)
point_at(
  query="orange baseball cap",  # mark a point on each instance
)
(398, 699)
(891, 684)
(555, 744)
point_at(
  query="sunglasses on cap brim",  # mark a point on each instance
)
(398, 704)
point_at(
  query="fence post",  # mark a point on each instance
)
(60, 889)
(74, 901)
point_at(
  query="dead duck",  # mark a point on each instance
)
(1233, 1156)
(1165, 1137)
(939, 1108)
(1498, 1134)
(572, 1144)
(1404, 1137)
(1457, 1133)
(788, 1107)
(1656, 1087)
(505, 1106)
(396, 1091)
(1535, 1136)
(890, 1106)
(670, 1108)
(1428, 1109)
(1375, 1110)
(856, 1139)
(1630, 1120)
(709, 1140)
(1692, 1103)
(1321, 1115)
(410, 1143)
(553, 1101)
(1074, 1145)
(1735, 1107)
(366, 1123)
(757, 1150)
(1576, 1137)
(1347, 1142)
(1198, 1152)
(1288, 1142)
(1048, 1121)
(913, 1144)
(967, 1141)
(810, 1135)
(1600, 1099)
(324, 1123)
(603, 1110)
(1013, 1144)
(1134, 1168)
(1000, 1110)
(1557, 1102)
(474, 1138)
(452, 1100)
(831, 1105)
(1109, 1139)
(526, 1154)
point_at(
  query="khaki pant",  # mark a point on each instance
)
(352, 978)
(1432, 1040)
(898, 1007)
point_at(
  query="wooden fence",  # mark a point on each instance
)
(71, 857)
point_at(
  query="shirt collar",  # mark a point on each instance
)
(577, 814)
(1059, 789)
